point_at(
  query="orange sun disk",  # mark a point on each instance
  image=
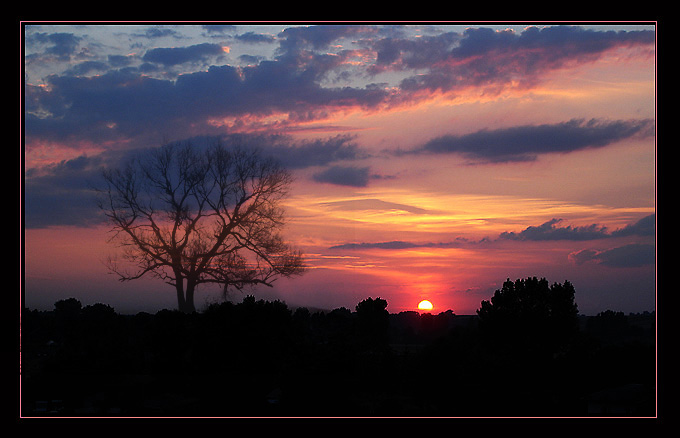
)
(425, 305)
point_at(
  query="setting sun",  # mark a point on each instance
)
(425, 305)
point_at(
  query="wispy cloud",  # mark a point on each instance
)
(399, 244)
(548, 231)
(373, 205)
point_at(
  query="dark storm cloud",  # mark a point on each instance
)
(522, 143)
(180, 55)
(626, 256)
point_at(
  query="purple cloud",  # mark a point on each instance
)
(524, 143)
(484, 56)
(344, 176)
(550, 231)
(627, 256)
(125, 104)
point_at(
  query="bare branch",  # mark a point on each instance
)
(189, 217)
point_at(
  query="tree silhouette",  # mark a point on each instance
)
(373, 321)
(69, 307)
(530, 316)
(190, 216)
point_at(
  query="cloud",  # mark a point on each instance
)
(487, 57)
(549, 43)
(627, 256)
(550, 231)
(522, 143)
(255, 38)
(399, 244)
(139, 107)
(61, 45)
(373, 205)
(294, 39)
(290, 153)
(72, 109)
(352, 176)
(60, 194)
(344, 176)
(159, 32)
(633, 255)
(644, 227)
(87, 67)
(219, 29)
(180, 55)
(296, 83)
(404, 53)
(319, 152)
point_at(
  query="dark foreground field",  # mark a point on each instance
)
(262, 359)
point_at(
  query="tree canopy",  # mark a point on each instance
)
(530, 314)
(191, 216)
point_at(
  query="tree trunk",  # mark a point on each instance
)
(185, 298)
(189, 298)
(181, 302)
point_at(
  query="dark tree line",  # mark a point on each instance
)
(527, 352)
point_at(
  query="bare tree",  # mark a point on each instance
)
(189, 216)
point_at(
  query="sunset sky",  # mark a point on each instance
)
(431, 160)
